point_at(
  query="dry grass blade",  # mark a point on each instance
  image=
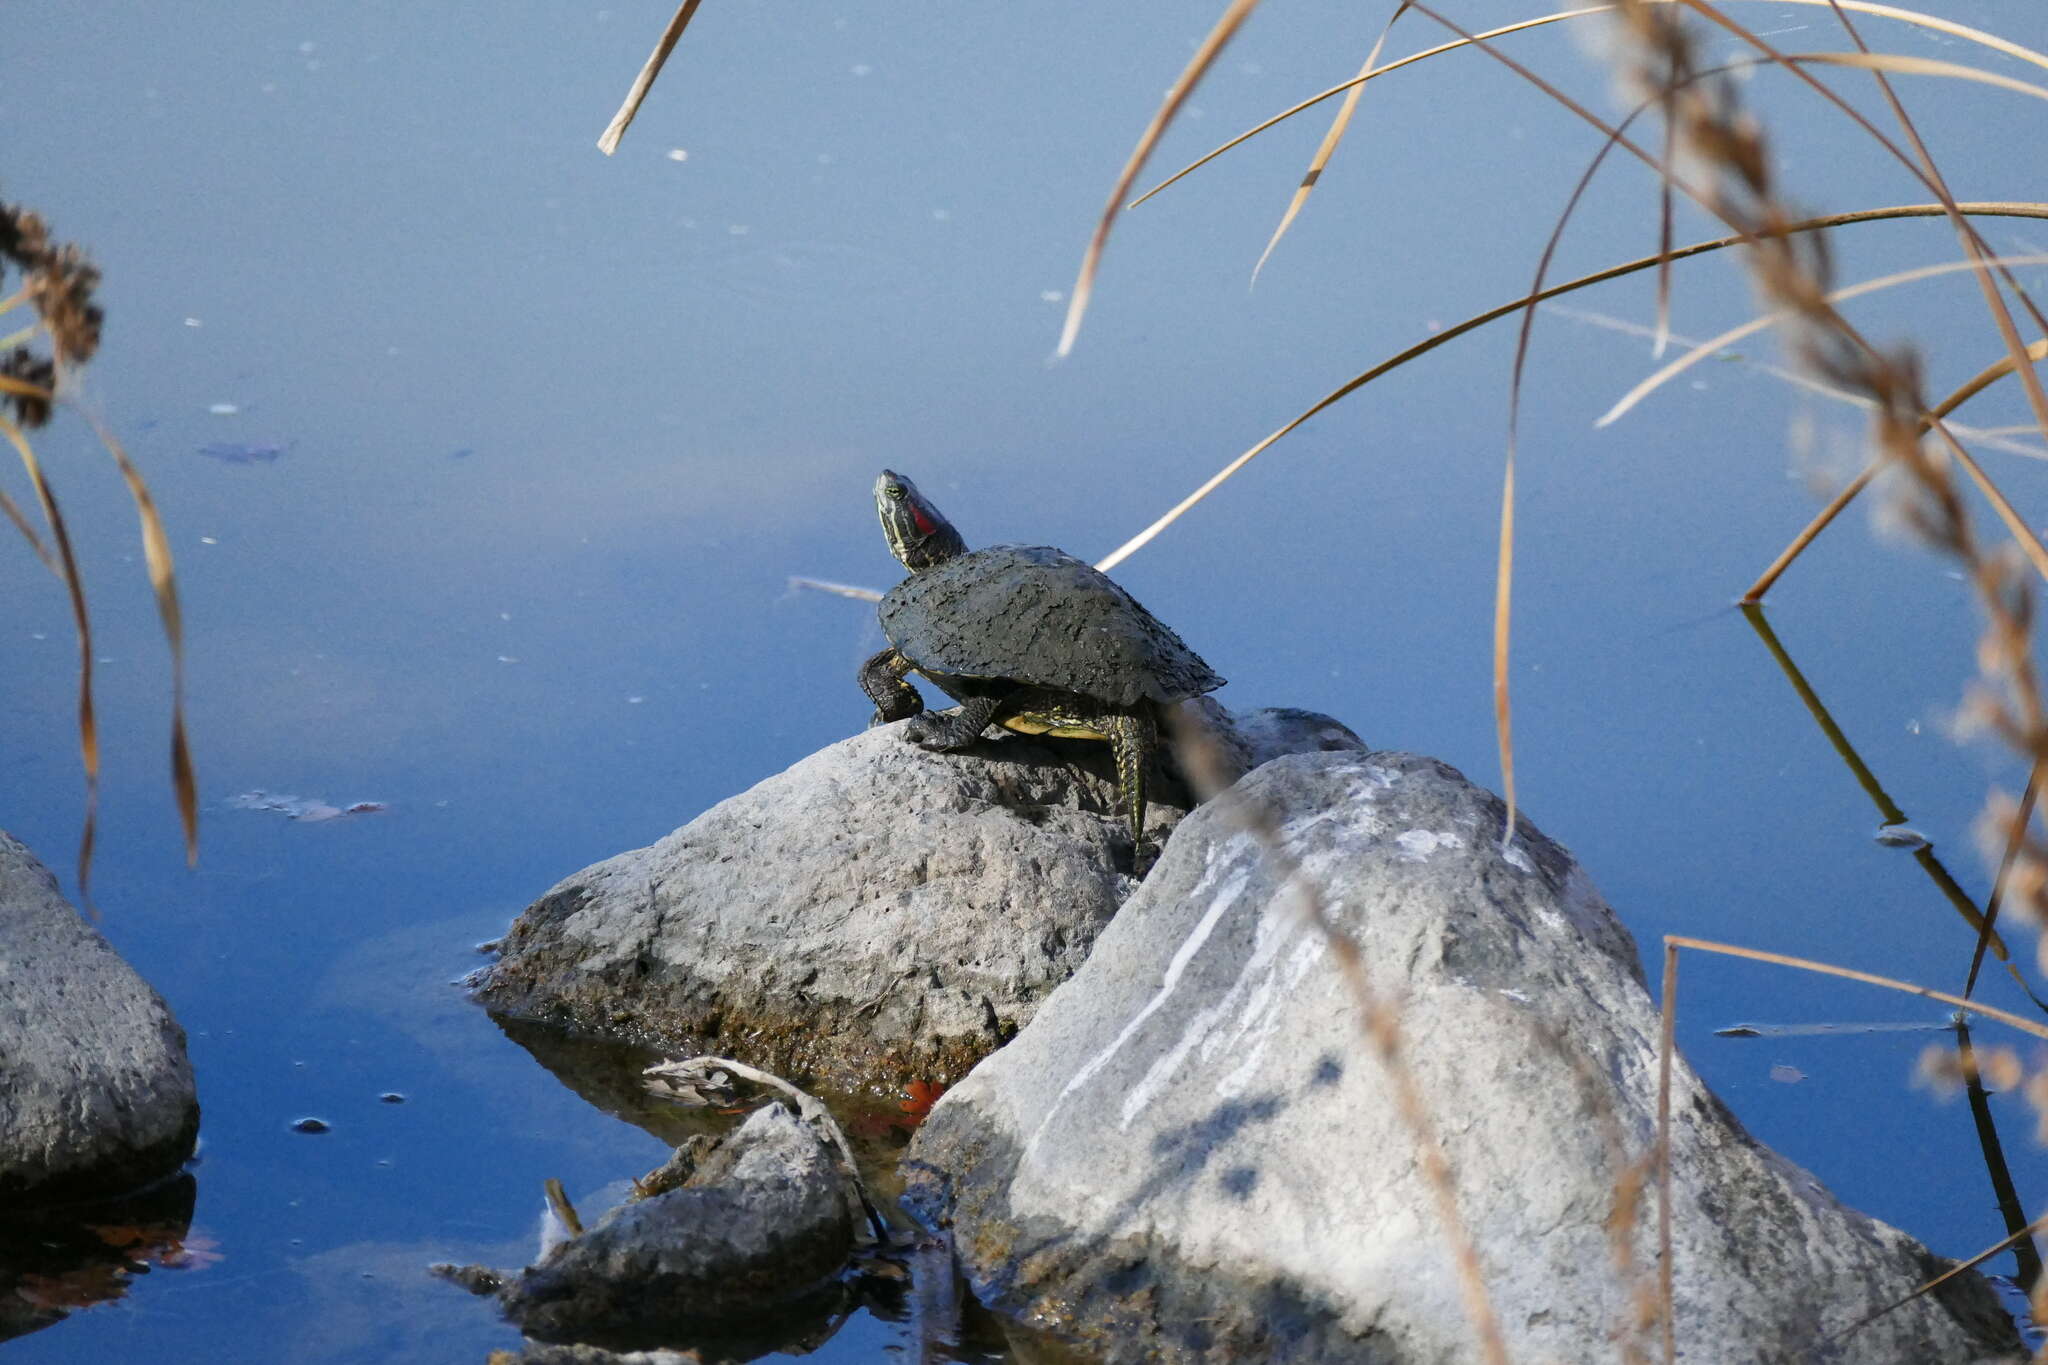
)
(1922, 66)
(1993, 438)
(1984, 379)
(1989, 208)
(1838, 347)
(608, 142)
(2015, 840)
(1914, 17)
(558, 1201)
(1712, 345)
(1503, 585)
(9, 384)
(1328, 147)
(1890, 983)
(1205, 57)
(1369, 74)
(1924, 171)
(28, 532)
(1503, 711)
(856, 592)
(2015, 525)
(1973, 244)
(163, 580)
(1667, 226)
(1940, 25)
(88, 726)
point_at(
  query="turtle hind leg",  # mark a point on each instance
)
(955, 731)
(1133, 735)
(881, 677)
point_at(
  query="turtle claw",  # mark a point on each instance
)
(948, 731)
(930, 732)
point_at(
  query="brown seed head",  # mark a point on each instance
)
(33, 409)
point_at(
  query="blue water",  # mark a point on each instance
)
(551, 431)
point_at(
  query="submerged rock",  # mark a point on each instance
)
(751, 1240)
(539, 1353)
(876, 914)
(1193, 1154)
(96, 1092)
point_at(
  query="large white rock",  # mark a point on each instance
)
(1192, 1153)
(96, 1092)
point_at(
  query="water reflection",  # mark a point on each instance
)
(908, 1282)
(56, 1262)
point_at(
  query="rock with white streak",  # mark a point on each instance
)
(1192, 1153)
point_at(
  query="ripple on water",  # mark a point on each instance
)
(815, 273)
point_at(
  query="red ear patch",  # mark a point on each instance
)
(924, 523)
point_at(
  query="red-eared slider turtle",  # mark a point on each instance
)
(1026, 637)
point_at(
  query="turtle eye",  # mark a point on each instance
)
(896, 491)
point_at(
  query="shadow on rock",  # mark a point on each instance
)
(607, 1075)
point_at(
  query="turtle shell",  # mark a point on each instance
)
(1036, 615)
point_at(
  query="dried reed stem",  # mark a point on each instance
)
(608, 141)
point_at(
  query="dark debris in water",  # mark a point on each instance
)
(309, 1124)
(304, 808)
(243, 452)
(1832, 1029)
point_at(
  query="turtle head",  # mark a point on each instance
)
(919, 535)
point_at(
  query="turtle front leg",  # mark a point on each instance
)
(1133, 736)
(881, 677)
(955, 731)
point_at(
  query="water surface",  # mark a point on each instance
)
(527, 443)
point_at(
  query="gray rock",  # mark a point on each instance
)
(539, 1353)
(1192, 1154)
(761, 1227)
(1244, 741)
(96, 1092)
(875, 914)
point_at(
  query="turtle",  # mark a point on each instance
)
(1025, 637)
